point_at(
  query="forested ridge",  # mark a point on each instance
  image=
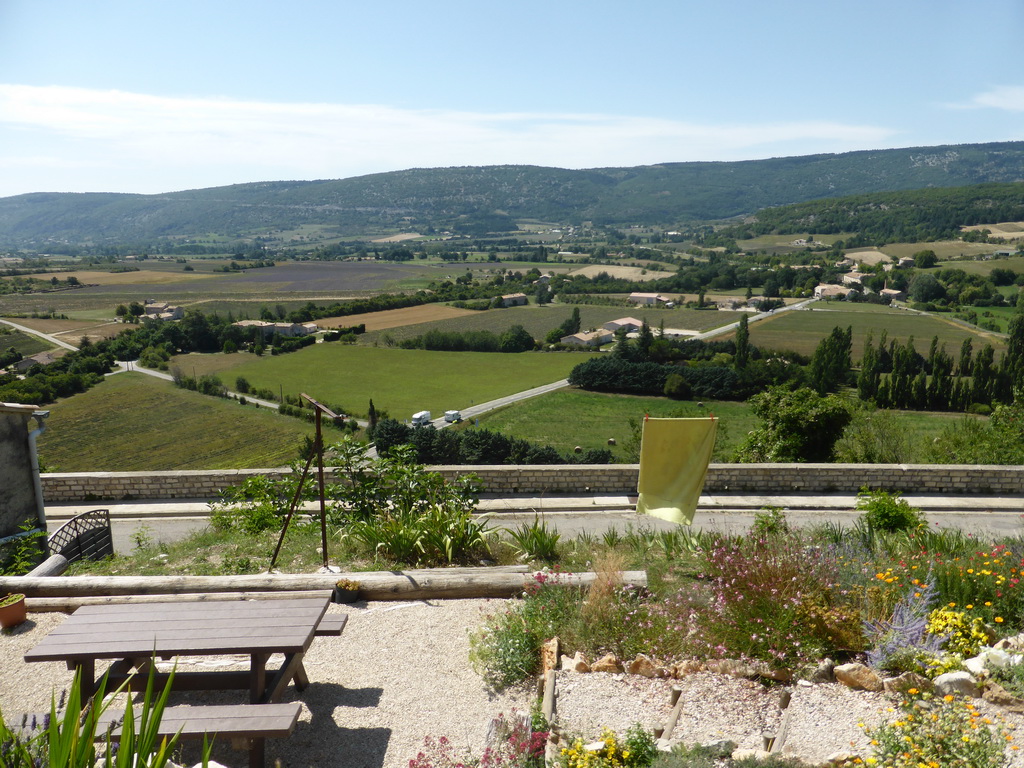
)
(473, 200)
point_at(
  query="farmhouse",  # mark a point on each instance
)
(41, 358)
(854, 278)
(907, 261)
(893, 293)
(647, 299)
(824, 291)
(268, 329)
(161, 312)
(513, 300)
(631, 324)
(588, 338)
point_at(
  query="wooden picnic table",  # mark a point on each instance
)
(133, 635)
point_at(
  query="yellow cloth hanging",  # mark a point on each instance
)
(674, 457)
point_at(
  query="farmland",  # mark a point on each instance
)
(800, 331)
(399, 381)
(135, 422)
(539, 320)
(596, 417)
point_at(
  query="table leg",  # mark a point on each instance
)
(257, 751)
(291, 668)
(86, 669)
(257, 677)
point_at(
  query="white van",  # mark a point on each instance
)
(453, 417)
(421, 418)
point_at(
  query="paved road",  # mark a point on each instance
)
(982, 516)
(52, 339)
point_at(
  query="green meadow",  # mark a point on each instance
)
(399, 381)
(801, 330)
(136, 422)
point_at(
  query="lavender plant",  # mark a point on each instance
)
(904, 634)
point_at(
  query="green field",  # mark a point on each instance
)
(399, 381)
(800, 331)
(136, 422)
(570, 417)
(23, 342)
(539, 320)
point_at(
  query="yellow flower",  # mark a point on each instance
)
(948, 697)
(912, 691)
(999, 619)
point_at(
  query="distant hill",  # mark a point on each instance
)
(492, 198)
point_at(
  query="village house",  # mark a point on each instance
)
(825, 291)
(588, 338)
(631, 324)
(513, 300)
(854, 278)
(647, 299)
(893, 293)
(161, 312)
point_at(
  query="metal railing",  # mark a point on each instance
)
(83, 537)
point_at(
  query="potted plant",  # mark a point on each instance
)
(346, 591)
(12, 610)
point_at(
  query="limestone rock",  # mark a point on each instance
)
(824, 672)
(607, 663)
(549, 654)
(1014, 643)
(858, 677)
(994, 693)
(643, 666)
(577, 663)
(962, 683)
(760, 755)
(842, 758)
(688, 667)
(906, 681)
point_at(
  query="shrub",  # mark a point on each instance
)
(536, 541)
(637, 750)
(887, 511)
(938, 732)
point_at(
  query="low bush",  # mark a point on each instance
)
(888, 512)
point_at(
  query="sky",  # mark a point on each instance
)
(154, 96)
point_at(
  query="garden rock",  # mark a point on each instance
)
(994, 693)
(843, 758)
(1015, 643)
(991, 658)
(954, 683)
(688, 667)
(577, 663)
(759, 755)
(607, 664)
(824, 672)
(906, 681)
(643, 666)
(720, 749)
(549, 654)
(858, 677)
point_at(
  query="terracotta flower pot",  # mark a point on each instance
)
(12, 614)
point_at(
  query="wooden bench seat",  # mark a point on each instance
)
(331, 625)
(256, 722)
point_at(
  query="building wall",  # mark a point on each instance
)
(71, 487)
(17, 483)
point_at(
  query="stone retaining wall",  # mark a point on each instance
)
(579, 480)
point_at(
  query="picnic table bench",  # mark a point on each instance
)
(134, 636)
(254, 722)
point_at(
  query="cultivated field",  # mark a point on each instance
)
(538, 320)
(800, 331)
(134, 422)
(399, 381)
(984, 267)
(23, 342)
(394, 318)
(944, 249)
(868, 256)
(1010, 230)
(570, 417)
(622, 272)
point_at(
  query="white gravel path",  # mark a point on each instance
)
(400, 673)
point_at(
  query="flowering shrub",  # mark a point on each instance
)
(964, 635)
(637, 750)
(904, 641)
(776, 601)
(515, 745)
(938, 734)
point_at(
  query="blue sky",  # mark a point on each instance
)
(154, 96)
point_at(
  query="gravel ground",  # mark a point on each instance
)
(400, 673)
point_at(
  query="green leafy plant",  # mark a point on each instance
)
(769, 522)
(11, 599)
(536, 540)
(888, 512)
(636, 750)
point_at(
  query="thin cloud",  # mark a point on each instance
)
(1008, 98)
(223, 141)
